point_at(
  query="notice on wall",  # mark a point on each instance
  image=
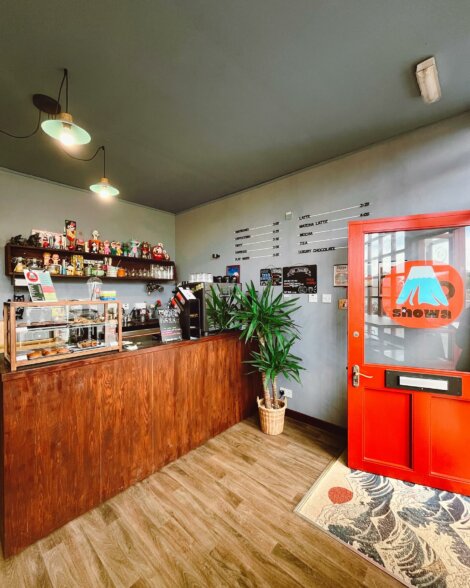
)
(270, 275)
(328, 231)
(340, 275)
(300, 279)
(40, 286)
(170, 328)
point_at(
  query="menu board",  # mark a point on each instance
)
(40, 286)
(170, 328)
(300, 279)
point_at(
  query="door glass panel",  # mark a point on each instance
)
(417, 298)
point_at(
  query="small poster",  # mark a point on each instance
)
(233, 271)
(340, 275)
(40, 286)
(170, 328)
(300, 279)
(270, 275)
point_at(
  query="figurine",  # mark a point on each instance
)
(106, 248)
(34, 240)
(145, 250)
(17, 240)
(134, 248)
(165, 255)
(45, 240)
(157, 252)
(118, 248)
(80, 245)
(46, 256)
(113, 246)
(70, 234)
(19, 264)
(94, 242)
(126, 249)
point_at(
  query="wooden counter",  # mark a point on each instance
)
(76, 433)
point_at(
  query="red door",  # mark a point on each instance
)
(409, 349)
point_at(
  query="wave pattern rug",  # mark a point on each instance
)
(419, 535)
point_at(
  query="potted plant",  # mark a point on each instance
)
(267, 319)
(220, 309)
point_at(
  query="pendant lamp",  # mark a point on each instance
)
(61, 127)
(103, 188)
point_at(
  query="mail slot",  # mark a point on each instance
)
(450, 385)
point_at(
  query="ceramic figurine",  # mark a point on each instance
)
(118, 248)
(34, 240)
(70, 234)
(145, 250)
(94, 242)
(46, 256)
(134, 248)
(106, 248)
(157, 252)
(19, 264)
(113, 246)
(166, 256)
(126, 249)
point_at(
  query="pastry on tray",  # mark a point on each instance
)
(34, 354)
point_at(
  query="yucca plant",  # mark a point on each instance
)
(272, 359)
(263, 316)
(267, 319)
(220, 309)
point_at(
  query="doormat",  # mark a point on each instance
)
(417, 534)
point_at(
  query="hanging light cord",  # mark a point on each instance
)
(23, 136)
(65, 78)
(100, 148)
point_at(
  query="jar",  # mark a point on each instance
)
(121, 272)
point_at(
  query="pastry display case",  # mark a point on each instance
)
(38, 332)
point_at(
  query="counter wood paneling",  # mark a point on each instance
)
(77, 433)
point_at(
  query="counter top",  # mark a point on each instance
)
(145, 343)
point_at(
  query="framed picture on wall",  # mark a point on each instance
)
(340, 275)
(233, 271)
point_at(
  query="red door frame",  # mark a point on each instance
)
(421, 464)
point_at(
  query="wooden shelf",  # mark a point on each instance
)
(129, 263)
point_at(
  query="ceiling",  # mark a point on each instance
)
(197, 99)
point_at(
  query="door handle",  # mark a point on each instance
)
(356, 375)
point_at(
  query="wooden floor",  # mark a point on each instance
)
(220, 516)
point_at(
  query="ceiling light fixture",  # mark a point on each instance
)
(428, 80)
(103, 188)
(61, 127)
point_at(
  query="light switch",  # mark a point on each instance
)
(313, 297)
(326, 298)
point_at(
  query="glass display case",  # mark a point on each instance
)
(38, 332)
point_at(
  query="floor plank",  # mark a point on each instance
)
(220, 516)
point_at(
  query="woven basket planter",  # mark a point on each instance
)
(272, 419)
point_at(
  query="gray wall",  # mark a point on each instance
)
(27, 203)
(424, 171)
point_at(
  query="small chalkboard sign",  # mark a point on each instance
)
(170, 328)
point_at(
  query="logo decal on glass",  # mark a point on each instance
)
(421, 295)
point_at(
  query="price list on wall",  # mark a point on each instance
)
(258, 242)
(328, 231)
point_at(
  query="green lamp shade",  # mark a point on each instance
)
(65, 130)
(104, 188)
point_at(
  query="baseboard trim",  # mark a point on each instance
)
(305, 418)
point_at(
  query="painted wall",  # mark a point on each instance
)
(424, 171)
(27, 203)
